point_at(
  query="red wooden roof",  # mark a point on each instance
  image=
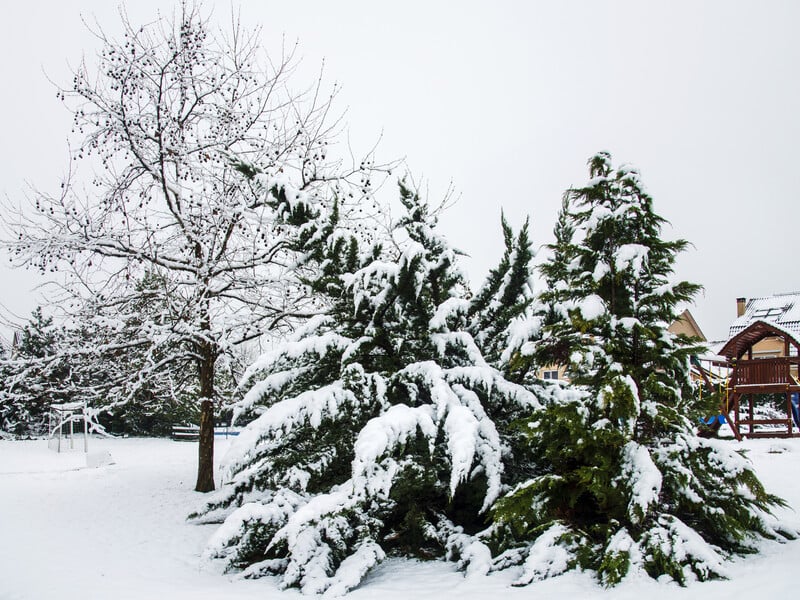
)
(757, 331)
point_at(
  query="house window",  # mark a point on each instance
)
(766, 313)
(550, 374)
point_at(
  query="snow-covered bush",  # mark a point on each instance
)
(377, 423)
(622, 482)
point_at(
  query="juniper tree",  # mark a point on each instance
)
(376, 430)
(623, 482)
(505, 297)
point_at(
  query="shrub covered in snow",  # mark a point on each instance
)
(377, 423)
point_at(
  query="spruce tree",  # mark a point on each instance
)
(97, 356)
(622, 481)
(376, 430)
(34, 375)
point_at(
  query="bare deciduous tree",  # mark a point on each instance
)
(166, 120)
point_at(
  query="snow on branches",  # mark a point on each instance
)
(623, 483)
(208, 169)
(373, 429)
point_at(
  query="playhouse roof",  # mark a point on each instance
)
(754, 333)
(782, 310)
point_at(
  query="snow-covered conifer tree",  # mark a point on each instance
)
(376, 430)
(135, 387)
(505, 296)
(623, 482)
(502, 317)
(32, 378)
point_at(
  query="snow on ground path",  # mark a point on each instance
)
(118, 532)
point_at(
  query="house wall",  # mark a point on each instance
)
(686, 325)
(772, 347)
(682, 327)
(561, 372)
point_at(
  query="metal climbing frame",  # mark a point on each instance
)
(64, 416)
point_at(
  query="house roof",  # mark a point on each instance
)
(754, 333)
(782, 310)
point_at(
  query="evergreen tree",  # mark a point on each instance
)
(505, 297)
(502, 316)
(144, 374)
(32, 376)
(623, 482)
(377, 429)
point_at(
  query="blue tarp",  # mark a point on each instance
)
(711, 420)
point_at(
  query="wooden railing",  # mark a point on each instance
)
(765, 371)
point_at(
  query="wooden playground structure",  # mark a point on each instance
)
(750, 379)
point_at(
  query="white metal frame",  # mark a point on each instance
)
(67, 414)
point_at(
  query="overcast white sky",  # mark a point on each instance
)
(508, 100)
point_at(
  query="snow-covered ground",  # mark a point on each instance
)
(119, 532)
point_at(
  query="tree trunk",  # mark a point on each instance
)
(205, 458)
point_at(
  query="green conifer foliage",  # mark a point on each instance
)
(33, 377)
(376, 428)
(505, 296)
(623, 482)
